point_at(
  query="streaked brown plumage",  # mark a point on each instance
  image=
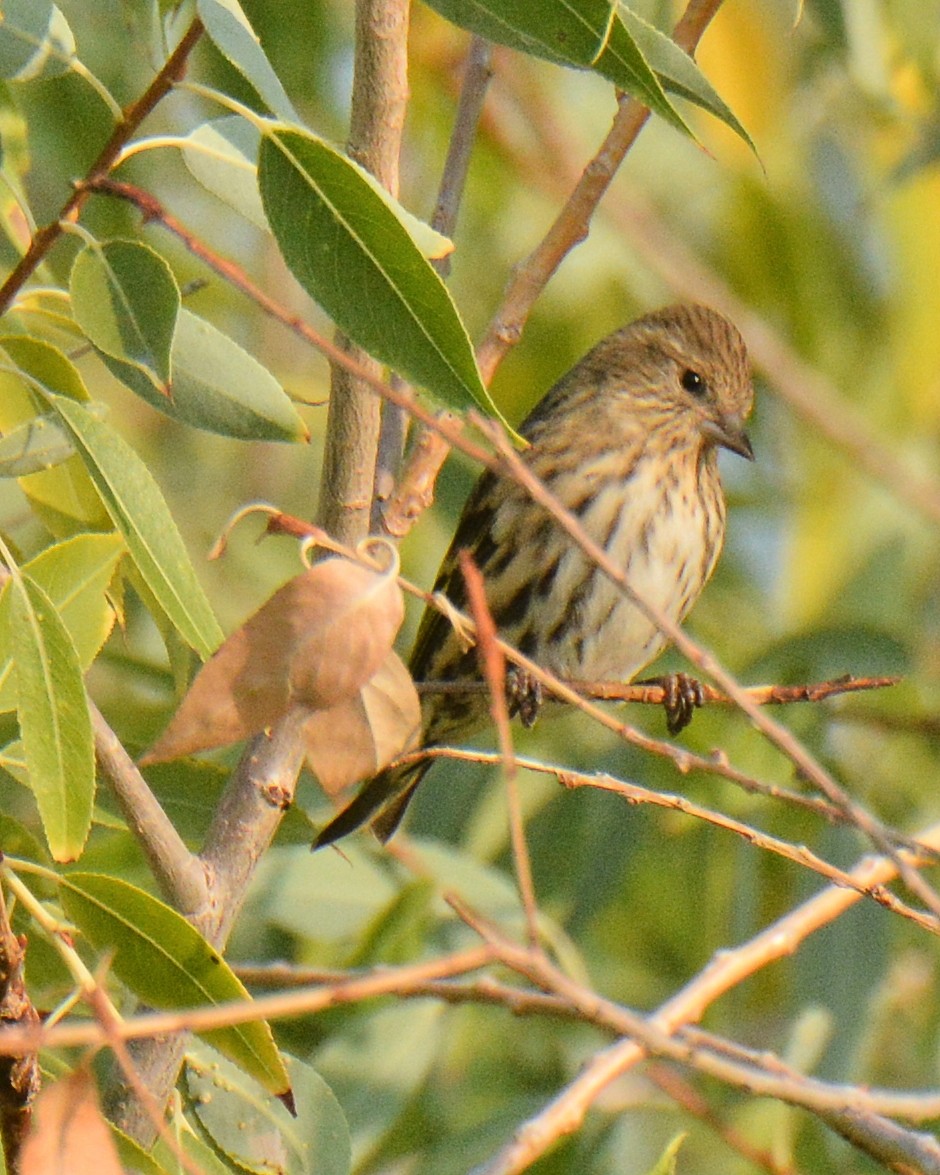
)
(628, 441)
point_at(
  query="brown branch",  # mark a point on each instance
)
(571, 225)
(230, 271)
(412, 491)
(635, 793)
(179, 873)
(170, 73)
(379, 102)
(655, 695)
(492, 662)
(20, 1078)
(660, 1034)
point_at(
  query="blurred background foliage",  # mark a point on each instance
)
(833, 236)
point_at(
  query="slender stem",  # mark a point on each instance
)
(571, 225)
(43, 240)
(396, 510)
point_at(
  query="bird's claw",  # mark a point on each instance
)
(524, 695)
(682, 695)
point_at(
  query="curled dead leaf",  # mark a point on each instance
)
(315, 643)
(353, 740)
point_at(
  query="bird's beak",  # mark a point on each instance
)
(729, 434)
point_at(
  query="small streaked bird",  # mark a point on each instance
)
(628, 441)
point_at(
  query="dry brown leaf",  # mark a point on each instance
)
(315, 642)
(69, 1134)
(352, 741)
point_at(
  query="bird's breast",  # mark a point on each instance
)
(664, 529)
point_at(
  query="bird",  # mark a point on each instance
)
(628, 441)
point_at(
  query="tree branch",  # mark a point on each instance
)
(171, 72)
(571, 225)
(379, 100)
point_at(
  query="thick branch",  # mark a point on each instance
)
(379, 99)
(178, 872)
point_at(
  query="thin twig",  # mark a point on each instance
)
(412, 491)
(570, 227)
(726, 971)
(493, 666)
(170, 73)
(635, 793)
(656, 695)
(784, 740)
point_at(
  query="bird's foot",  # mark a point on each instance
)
(682, 695)
(524, 695)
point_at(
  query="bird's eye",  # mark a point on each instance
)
(693, 382)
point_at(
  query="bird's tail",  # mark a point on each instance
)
(383, 800)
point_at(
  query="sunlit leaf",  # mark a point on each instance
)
(74, 574)
(666, 1165)
(35, 41)
(587, 35)
(64, 498)
(125, 299)
(167, 963)
(677, 71)
(223, 158)
(53, 716)
(140, 513)
(235, 39)
(217, 386)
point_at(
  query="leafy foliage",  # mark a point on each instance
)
(146, 394)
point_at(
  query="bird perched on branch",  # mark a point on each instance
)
(628, 442)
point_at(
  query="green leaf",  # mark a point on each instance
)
(125, 299)
(350, 251)
(74, 575)
(678, 72)
(140, 513)
(666, 1164)
(53, 716)
(168, 964)
(218, 387)
(35, 41)
(63, 497)
(586, 34)
(235, 39)
(40, 443)
(222, 156)
(558, 30)
(255, 1132)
